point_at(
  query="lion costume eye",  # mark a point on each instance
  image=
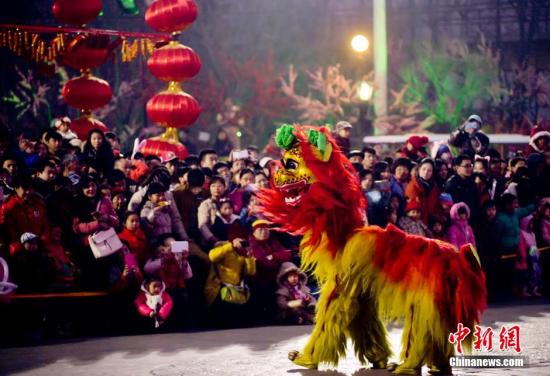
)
(291, 164)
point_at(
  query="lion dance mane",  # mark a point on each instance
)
(368, 275)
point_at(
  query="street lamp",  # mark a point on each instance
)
(365, 91)
(359, 43)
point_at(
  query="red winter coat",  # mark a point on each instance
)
(137, 242)
(429, 201)
(24, 216)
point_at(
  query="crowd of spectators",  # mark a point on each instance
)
(196, 249)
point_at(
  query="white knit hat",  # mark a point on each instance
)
(27, 237)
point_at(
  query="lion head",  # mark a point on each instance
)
(316, 191)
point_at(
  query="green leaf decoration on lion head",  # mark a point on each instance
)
(286, 139)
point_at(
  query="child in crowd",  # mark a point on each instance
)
(134, 236)
(153, 301)
(460, 232)
(33, 270)
(412, 223)
(528, 254)
(296, 304)
(438, 227)
(65, 268)
(227, 225)
(63, 127)
(172, 268)
(156, 214)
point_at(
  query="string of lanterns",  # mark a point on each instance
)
(171, 108)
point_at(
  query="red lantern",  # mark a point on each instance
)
(76, 12)
(171, 15)
(84, 124)
(161, 148)
(173, 109)
(86, 52)
(87, 92)
(174, 62)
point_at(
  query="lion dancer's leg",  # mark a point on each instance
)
(327, 342)
(369, 335)
(438, 359)
(414, 345)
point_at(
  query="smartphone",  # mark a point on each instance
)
(240, 154)
(180, 247)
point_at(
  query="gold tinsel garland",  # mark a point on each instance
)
(33, 46)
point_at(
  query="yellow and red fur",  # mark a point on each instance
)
(369, 275)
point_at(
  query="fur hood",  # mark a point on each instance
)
(454, 210)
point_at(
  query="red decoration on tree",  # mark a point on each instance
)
(174, 62)
(171, 15)
(84, 124)
(87, 92)
(76, 12)
(173, 109)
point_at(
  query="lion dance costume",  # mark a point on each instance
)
(368, 275)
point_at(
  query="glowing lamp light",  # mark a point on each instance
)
(365, 91)
(239, 134)
(359, 43)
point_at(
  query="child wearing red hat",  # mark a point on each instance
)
(415, 148)
(411, 222)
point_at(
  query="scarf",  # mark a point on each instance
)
(295, 291)
(426, 185)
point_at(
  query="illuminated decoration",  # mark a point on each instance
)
(365, 91)
(173, 108)
(360, 43)
(86, 123)
(87, 92)
(76, 12)
(86, 51)
(129, 6)
(174, 62)
(27, 41)
(171, 15)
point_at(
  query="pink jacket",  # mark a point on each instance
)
(460, 233)
(87, 228)
(145, 310)
(527, 240)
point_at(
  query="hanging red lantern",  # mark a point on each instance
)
(84, 124)
(87, 92)
(174, 62)
(86, 51)
(171, 15)
(162, 148)
(76, 12)
(173, 109)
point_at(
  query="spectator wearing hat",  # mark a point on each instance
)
(356, 156)
(63, 126)
(295, 303)
(31, 268)
(460, 233)
(415, 148)
(539, 141)
(342, 135)
(22, 212)
(424, 190)
(411, 222)
(461, 186)
(270, 255)
(268, 166)
(469, 138)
